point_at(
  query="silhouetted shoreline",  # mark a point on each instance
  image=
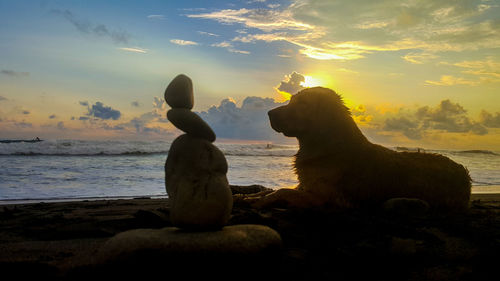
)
(59, 239)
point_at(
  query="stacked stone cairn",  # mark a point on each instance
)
(200, 206)
(195, 170)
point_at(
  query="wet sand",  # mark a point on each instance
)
(60, 239)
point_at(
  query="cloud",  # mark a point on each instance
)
(156, 17)
(53, 116)
(447, 117)
(89, 28)
(25, 112)
(487, 69)
(418, 58)
(183, 42)
(263, 19)
(292, 83)
(345, 70)
(3, 98)
(134, 50)
(450, 80)
(83, 118)
(60, 125)
(348, 30)
(250, 121)
(489, 120)
(372, 24)
(14, 73)
(224, 44)
(208, 33)
(229, 47)
(135, 104)
(84, 103)
(410, 128)
(23, 124)
(152, 122)
(99, 110)
(360, 115)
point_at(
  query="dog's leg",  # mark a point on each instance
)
(285, 197)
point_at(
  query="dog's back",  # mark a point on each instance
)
(371, 174)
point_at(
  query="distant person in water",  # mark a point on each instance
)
(338, 166)
(37, 139)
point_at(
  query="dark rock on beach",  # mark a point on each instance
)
(179, 93)
(190, 123)
(249, 189)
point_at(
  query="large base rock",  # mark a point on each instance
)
(196, 183)
(242, 249)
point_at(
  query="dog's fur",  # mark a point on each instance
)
(336, 165)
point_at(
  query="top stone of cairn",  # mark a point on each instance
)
(179, 93)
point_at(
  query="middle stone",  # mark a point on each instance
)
(190, 123)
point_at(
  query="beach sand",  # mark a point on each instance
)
(58, 240)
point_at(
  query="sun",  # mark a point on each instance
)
(312, 82)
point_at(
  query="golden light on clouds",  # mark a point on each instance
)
(284, 96)
(311, 81)
(297, 82)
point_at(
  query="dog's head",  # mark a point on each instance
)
(310, 111)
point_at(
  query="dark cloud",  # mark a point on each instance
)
(112, 128)
(23, 124)
(60, 125)
(447, 116)
(292, 83)
(52, 116)
(14, 73)
(143, 124)
(409, 128)
(489, 120)
(98, 30)
(84, 103)
(2, 98)
(99, 110)
(25, 112)
(83, 118)
(147, 122)
(138, 123)
(250, 121)
(135, 104)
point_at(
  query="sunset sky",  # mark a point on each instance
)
(414, 73)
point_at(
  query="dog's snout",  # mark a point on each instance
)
(270, 113)
(275, 111)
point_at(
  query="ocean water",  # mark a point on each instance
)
(76, 169)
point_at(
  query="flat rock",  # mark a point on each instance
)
(190, 123)
(179, 93)
(196, 183)
(180, 253)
